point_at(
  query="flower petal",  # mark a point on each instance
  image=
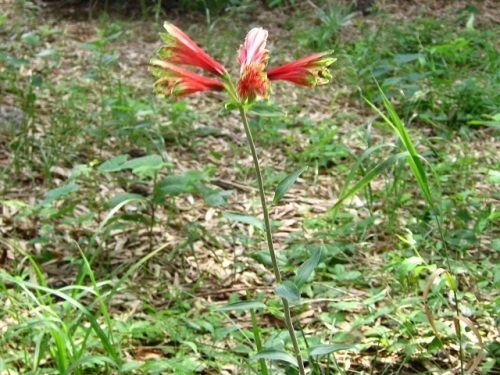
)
(177, 81)
(254, 49)
(253, 82)
(181, 49)
(310, 70)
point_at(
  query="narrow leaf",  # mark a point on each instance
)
(108, 347)
(286, 184)
(118, 199)
(306, 269)
(368, 177)
(416, 165)
(288, 290)
(359, 164)
(90, 360)
(244, 305)
(244, 218)
(275, 355)
(477, 359)
(327, 349)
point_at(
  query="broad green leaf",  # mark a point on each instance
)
(16, 61)
(48, 53)
(306, 269)
(174, 185)
(285, 184)
(81, 170)
(92, 46)
(494, 176)
(288, 290)
(55, 194)
(408, 265)
(244, 305)
(263, 257)
(338, 272)
(244, 218)
(131, 365)
(144, 166)
(274, 354)
(31, 38)
(213, 196)
(194, 175)
(265, 109)
(188, 182)
(327, 349)
(114, 164)
(222, 332)
(217, 197)
(404, 58)
(86, 217)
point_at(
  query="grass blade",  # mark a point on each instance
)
(368, 177)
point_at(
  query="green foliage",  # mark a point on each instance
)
(441, 72)
(286, 184)
(328, 22)
(115, 191)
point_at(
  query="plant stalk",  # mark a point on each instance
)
(269, 239)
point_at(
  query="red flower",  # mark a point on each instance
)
(308, 71)
(177, 81)
(181, 49)
(253, 81)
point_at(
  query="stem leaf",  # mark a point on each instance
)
(244, 218)
(275, 354)
(265, 109)
(286, 184)
(288, 290)
(244, 305)
(306, 269)
(330, 348)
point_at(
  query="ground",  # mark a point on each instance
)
(77, 103)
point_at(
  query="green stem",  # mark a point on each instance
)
(269, 238)
(258, 342)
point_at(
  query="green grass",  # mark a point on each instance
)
(115, 253)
